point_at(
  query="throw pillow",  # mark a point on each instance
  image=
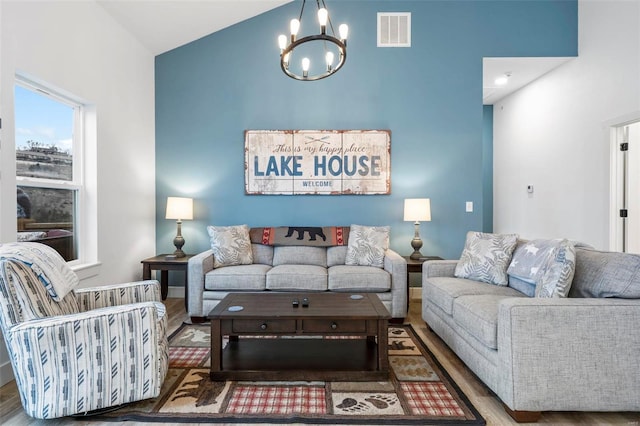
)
(231, 245)
(530, 259)
(558, 274)
(367, 245)
(486, 257)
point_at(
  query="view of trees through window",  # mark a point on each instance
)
(47, 186)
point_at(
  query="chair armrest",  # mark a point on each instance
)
(199, 265)
(109, 356)
(118, 294)
(396, 266)
(438, 268)
(569, 354)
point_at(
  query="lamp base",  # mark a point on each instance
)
(416, 255)
(416, 244)
(178, 241)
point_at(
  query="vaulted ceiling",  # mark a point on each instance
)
(163, 25)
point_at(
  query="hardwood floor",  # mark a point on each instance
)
(486, 402)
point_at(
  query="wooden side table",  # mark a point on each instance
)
(415, 266)
(164, 265)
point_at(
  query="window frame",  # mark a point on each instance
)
(77, 182)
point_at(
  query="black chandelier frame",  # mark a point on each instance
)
(323, 36)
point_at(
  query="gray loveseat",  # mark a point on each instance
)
(580, 353)
(296, 268)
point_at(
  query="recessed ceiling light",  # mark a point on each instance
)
(503, 79)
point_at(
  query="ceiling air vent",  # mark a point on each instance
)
(394, 29)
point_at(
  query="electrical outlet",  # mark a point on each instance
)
(469, 206)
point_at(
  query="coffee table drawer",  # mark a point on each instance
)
(334, 326)
(263, 326)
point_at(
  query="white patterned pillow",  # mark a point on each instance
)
(486, 257)
(558, 274)
(231, 245)
(367, 245)
(530, 259)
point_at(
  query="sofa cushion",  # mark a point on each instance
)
(300, 255)
(262, 254)
(336, 255)
(230, 245)
(486, 257)
(367, 245)
(240, 277)
(359, 278)
(559, 270)
(442, 291)
(478, 316)
(297, 278)
(606, 274)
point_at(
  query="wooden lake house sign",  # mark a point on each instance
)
(327, 162)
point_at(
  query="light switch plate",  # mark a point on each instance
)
(469, 206)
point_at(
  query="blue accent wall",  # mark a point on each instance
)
(487, 168)
(210, 91)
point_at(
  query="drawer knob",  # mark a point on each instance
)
(334, 325)
(263, 326)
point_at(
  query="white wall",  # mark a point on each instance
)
(78, 47)
(552, 134)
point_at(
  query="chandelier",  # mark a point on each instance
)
(327, 46)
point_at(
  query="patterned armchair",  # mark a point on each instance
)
(74, 351)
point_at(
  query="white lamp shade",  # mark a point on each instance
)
(417, 209)
(179, 208)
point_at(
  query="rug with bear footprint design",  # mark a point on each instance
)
(418, 391)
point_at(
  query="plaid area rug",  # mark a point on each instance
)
(418, 391)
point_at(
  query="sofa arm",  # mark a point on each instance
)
(118, 294)
(569, 354)
(198, 267)
(396, 266)
(438, 268)
(105, 357)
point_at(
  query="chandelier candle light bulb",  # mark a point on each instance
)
(343, 30)
(323, 15)
(329, 58)
(294, 27)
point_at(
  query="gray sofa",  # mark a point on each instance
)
(580, 353)
(296, 268)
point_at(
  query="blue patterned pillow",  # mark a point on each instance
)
(549, 265)
(367, 245)
(558, 275)
(486, 257)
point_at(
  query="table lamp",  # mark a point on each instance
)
(417, 209)
(179, 208)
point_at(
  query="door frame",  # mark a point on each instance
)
(616, 180)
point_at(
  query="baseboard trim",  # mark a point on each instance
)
(175, 291)
(6, 373)
(415, 293)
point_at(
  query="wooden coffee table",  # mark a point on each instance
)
(306, 356)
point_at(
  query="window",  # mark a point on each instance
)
(48, 167)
